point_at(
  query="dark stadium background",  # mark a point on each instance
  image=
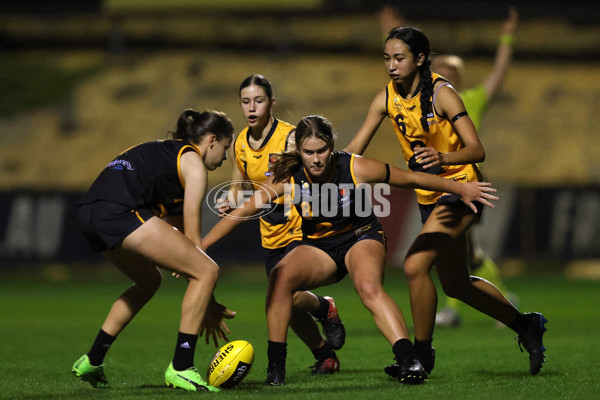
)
(63, 116)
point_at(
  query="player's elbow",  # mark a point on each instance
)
(477, 154)
(480, 155)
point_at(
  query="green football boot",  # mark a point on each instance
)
(90, 373)
(188, 379)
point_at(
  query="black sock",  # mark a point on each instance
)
(519, 324)
(100, 347)
(276, 352)
(403, 349)
(423, 345)
(323, 309)
(323, 352)
(184, 351)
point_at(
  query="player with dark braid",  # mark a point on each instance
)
(437, 136)
(340, 236)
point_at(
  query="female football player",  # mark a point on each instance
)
(340, 235)
(477, 101)
(122, 216)
(255, 148)
(438, 137)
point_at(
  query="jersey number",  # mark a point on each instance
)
(400, 123)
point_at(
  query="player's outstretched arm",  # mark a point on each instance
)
(367, 170)
(259, 200)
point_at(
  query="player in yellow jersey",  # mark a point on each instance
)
(438, 137)
(476, 101)
(255, 149)
(340, 236)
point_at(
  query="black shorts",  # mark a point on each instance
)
(273, 256)
(450, 200)
(338, 254)
(105, 224)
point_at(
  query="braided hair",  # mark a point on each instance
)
(418, 43)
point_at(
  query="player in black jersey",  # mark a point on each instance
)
(254, 147)
(341, 235)
(144, 212)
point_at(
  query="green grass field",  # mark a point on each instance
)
(45, 325)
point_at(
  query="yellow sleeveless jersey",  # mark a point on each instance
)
(405, 116)
(276, 228)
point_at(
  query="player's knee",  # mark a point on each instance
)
(455, 289)
(154, 280)
(145, 288)
(205, 271)
(285, 276)
(412, 270)
(368, 290)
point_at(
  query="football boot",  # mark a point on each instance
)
(188, 379)
(329, 365)
(426, 358)
(275, 374)
(333, 327)
(90, 373)
(531, 339)
(411, 372)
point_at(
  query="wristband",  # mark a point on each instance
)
(507, 38)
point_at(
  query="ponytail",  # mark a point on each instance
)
(283, 168)
(193, 125)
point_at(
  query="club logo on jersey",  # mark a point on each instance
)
(397, 103)
(344, 199)
(273, 157)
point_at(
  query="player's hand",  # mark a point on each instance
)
(214, 322)
(390, 17)
(477, 191)
(223, 207)
(509, 26)
(428, 157)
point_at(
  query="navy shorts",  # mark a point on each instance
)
(105, 224)
(450, 200)
(273, 256)
(338, 254)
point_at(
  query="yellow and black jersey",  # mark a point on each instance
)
(405, 116)
(146, 175)
(276, 228)
(332, 214)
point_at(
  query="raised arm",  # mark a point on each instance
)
(376, 114)
(495, 79)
